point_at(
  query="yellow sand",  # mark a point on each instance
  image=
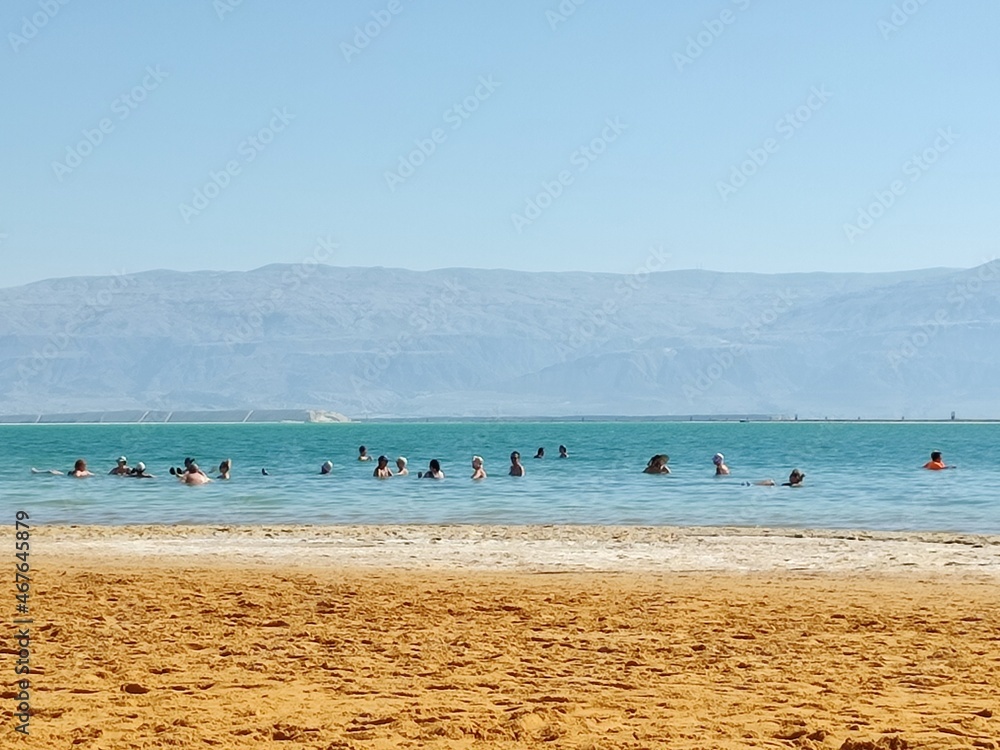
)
(154, 654)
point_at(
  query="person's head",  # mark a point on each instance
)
(400, 463)
(540, 453)
(122, 461)
(362, 451)
(187, 462)
(515, 457)
(193, 468)
(80, 465)
(140, 467)
(326, 468)
(936, 456)
(796, 477)
(435, 466)
(562, 450)
(477, 462)
(718, 459)
(226, 465)
(383, 462)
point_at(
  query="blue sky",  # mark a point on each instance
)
(735, 134)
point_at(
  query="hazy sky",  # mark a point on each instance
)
(736, 134)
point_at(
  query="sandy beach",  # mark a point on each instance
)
(465, 637)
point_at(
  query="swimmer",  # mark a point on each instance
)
(794, 480)
(937, 463)
(516, 469)
(194, 475)
(224, 468)
(720, 465)
(382, 470)
(264, 473)
(478, 472)
(563, 453)
(433, 471)
(363, 454)
(139, 472)
(326, 468)
(401, 470)
(188, 463)
(657, 464)
(122, 469)
(541, 453)
(80, 469)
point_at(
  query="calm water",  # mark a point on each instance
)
(858, 475)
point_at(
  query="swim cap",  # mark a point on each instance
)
(122, 460)
(140, 466)
(718, 458)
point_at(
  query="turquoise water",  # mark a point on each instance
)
(857, 475)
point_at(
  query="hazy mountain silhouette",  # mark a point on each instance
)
(464, 342)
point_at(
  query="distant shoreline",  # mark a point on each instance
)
(261, 417)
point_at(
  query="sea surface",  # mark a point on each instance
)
(858, 476)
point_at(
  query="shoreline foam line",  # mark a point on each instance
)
(533, 548)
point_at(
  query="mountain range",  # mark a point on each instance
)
(379, 342)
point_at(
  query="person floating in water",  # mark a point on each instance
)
(478, 472)
(937, 463)
(363, 454)
(540, 453)
(720, 465)
(794, 480)
(382, 471)
(122, 469)
(139, 472)
(80, 469)
(326, 468)
(224, 468)
(401, 470)
(563, 453)
(657, 464)
(516, 469)
(433, 471)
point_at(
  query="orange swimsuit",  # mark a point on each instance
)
(935, 465)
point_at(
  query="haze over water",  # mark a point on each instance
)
(865, 476)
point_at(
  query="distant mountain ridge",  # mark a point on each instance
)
(376, 342)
